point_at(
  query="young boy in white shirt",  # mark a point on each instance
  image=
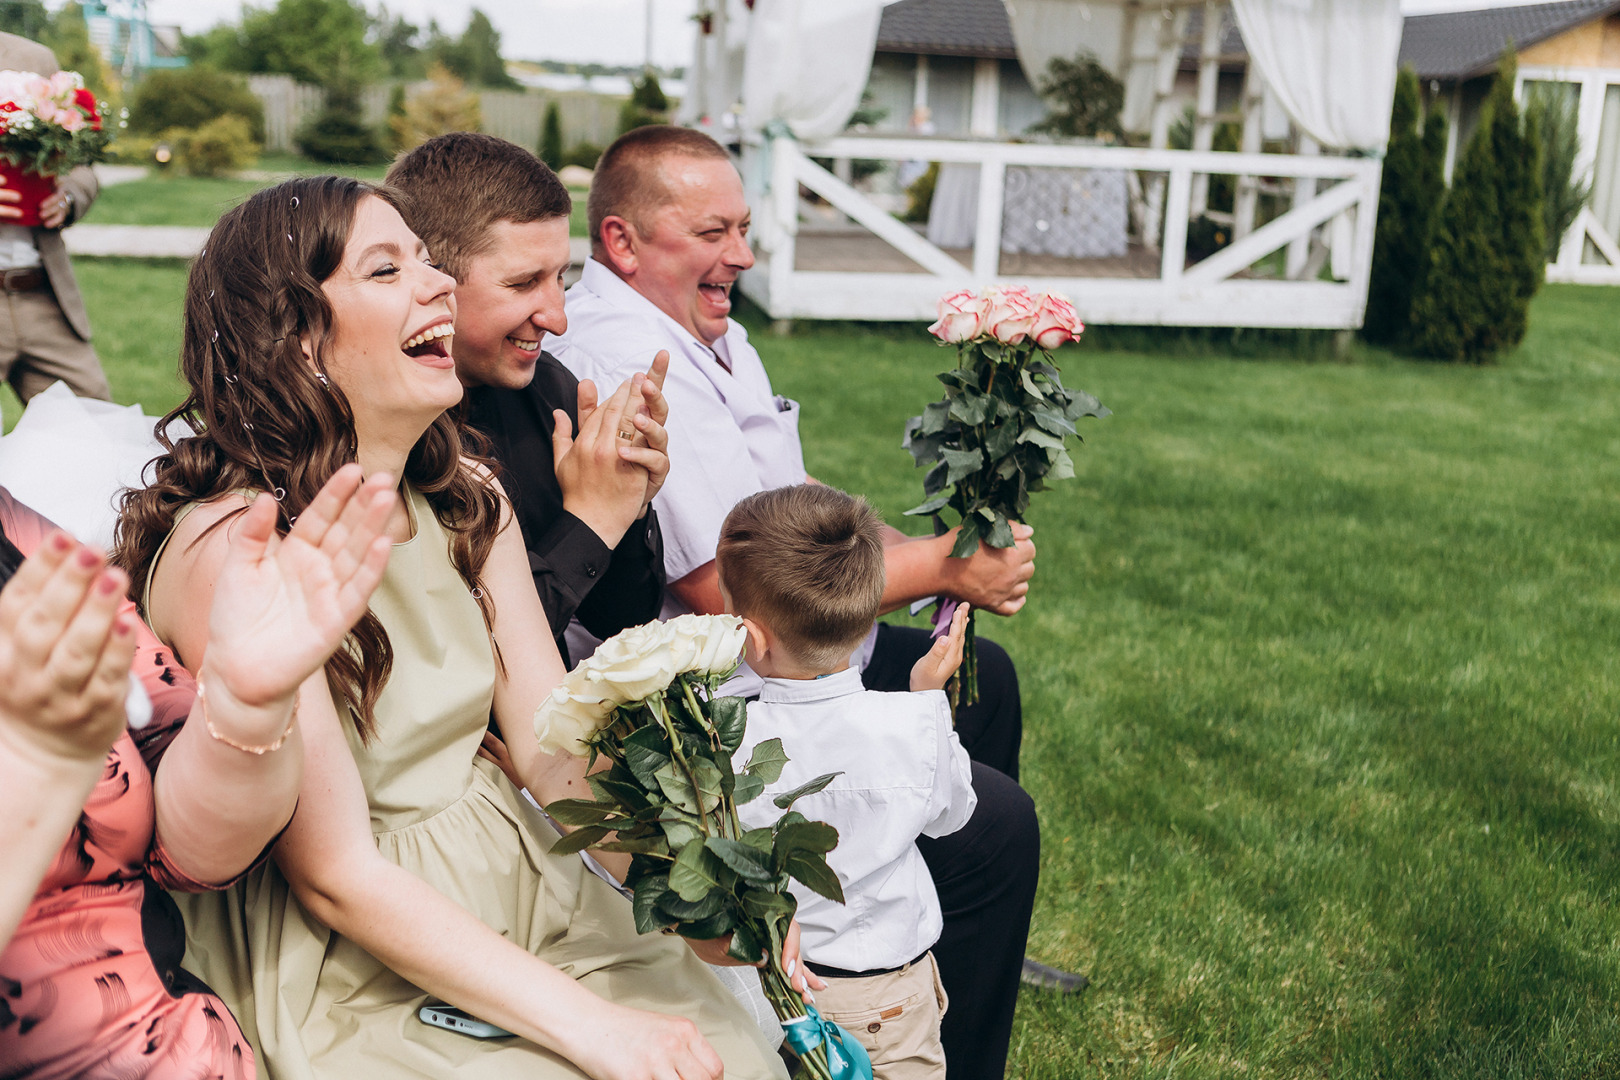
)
(803, 567)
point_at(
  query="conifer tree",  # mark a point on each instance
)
(1406, 210)
(551, 137)
(1489, 246)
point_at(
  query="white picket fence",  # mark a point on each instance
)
(514, 115)
(1328, 233)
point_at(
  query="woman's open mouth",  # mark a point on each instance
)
(432, 343)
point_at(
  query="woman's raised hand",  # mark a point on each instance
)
(282, 604)
(65, 653)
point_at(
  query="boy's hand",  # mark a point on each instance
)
(935, 669)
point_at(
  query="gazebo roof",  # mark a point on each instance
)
(977, 28)
(1462, 44)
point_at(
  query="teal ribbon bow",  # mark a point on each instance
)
(846, 1057)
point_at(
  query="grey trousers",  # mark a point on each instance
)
(38, 347)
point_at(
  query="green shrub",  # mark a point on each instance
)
(224, 144)
(646, 105)
(1489, 252)
(1084, 97)
(1408, 203)
(189, 97)
(920, 194)
(583, 154)
(443, 106)
(551, 137)
(1556, 113)
(339, 135)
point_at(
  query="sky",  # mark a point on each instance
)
(605, 31)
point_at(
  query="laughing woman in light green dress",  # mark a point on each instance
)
(316, 332)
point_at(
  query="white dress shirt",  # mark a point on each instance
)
(905, 775)
(730, 435)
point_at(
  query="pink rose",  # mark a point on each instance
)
(71, 120)
(1055, 321)
(961, 317)
(1011, 313)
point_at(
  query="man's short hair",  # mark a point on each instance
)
(629, 183)
(459, 185)
(807, 561)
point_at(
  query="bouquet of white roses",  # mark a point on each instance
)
(646, 701)
(998, 434)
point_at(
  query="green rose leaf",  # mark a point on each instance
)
(815, 837)
(745, 945)
(580, 839)
(932, 506)
(1040, 438)
(813, 872)
(972, 407)
(961, 463)
(749, 862)
(680, 829)
(747, 789)
(679, 910)
(730, 716)
(717, 925)
(580, 812)
(641, 845)
(764, 904)
(934, 417)
(1056, 423)
(1000, 534)
(967, 541)
(768, 761)
(1001, 440)
(677, 788)
(710, 781)
(695, 872)
(1062, 466)
(788, 798)
(645, 904)
(609, 788)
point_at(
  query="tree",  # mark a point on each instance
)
(398, 44)
(475, 57)
(440, 108)
(25, 18)
(324, 42)
(69, 39)
(551, 137)
(190, 97)
(1408, 203)
(1488, 257)
(1085, 99)
(339, 134)
(645, 105)
(1555, 112)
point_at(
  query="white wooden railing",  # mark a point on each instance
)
(1333, 214)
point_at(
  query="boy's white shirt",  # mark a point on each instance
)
(905, 775)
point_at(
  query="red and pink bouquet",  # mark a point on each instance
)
(49, 125)
(998, 434)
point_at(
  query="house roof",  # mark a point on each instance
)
(947, 28)
(1453, 45)
(1461, 44)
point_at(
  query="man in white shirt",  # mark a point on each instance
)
(669, 236)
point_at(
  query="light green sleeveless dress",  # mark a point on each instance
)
(316, 1005)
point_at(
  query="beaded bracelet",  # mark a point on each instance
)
(260, 751)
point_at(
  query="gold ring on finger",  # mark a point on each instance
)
(627, 435)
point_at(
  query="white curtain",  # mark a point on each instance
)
(807, 63)
(1330, 62)
(718, 56)
(1047, 29)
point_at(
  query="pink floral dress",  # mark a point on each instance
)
(91, 984)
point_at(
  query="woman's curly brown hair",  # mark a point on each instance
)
(266, 419)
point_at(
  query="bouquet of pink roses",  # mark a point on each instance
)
(998, 433)
(49, 125)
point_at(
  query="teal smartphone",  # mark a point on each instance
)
(453, 1019)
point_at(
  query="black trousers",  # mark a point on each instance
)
(986, 872)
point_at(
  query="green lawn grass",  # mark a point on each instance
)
(170, 198)
(1320, 690)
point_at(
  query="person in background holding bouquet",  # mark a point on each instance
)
(803, 567)
(47, 329)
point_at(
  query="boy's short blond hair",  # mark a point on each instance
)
(807, 561)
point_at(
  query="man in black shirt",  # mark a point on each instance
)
(581, 473)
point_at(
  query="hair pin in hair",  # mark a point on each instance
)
(289, 238)
(216, 335)
(210, 294)
(321, 376)
(230, 379)
(295, 202)
(478, 593)
(279, 494)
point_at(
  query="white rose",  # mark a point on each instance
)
(565, 720)
(631, 666)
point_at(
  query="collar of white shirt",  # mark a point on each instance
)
(798, 691)
(617, 293)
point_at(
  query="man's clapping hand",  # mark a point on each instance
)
(611, 470)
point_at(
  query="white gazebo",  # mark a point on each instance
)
(782, 78)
